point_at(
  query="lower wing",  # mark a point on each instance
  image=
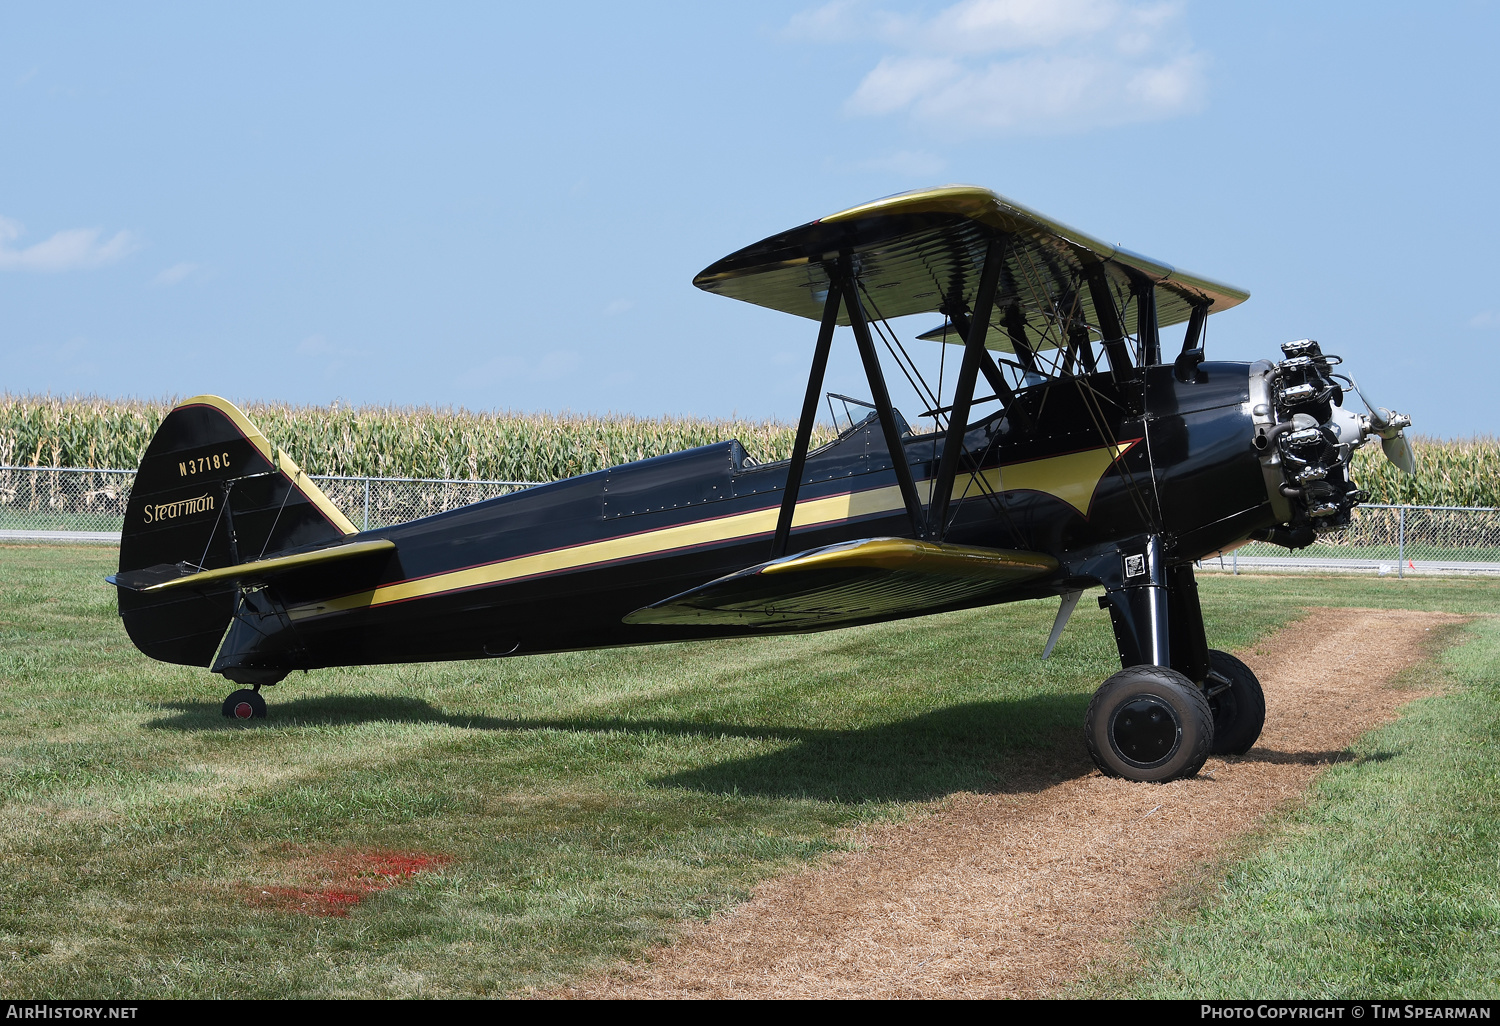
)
(851, 582)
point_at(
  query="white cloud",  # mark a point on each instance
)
(1042, 94)
(618, 306)
(1485, 319)
(984, 26)
(174, 274)
(898, 82)
(844, 20)
(69, 250)
(1020, 66)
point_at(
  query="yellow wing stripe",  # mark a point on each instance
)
(1036, 475)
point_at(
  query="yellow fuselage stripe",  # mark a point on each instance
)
(1071, 478)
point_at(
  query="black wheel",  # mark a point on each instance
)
(245, 704)
(1149, 723)
(1239, 710)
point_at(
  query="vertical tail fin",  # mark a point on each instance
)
(211, 491)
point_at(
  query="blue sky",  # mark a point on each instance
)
(503, 206)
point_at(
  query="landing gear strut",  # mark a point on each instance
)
(1176, 701)
(245, 704)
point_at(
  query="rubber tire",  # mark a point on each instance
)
(235, 705)
(1240, 712)
(1156, 689)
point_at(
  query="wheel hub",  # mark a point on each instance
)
(244, 711)
(1145, 731)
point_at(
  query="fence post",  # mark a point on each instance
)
(1400, 541)
(367, 504)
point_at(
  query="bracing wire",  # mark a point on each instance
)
(976, 475)
(892, 344)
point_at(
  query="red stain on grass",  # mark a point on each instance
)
(337, 881)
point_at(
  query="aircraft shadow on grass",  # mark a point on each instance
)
(1313, 757)
(1017, 746)
(1008, 746)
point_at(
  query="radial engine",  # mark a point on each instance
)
(1306, 439)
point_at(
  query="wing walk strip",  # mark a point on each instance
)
(1072, 478)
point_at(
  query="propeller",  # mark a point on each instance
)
(1390, 427)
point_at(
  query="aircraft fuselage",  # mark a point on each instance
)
(558, 566)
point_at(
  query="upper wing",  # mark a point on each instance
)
(852, 582)
(921, 252)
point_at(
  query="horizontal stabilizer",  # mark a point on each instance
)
(852, 582)
(165, 576)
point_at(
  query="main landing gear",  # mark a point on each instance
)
(1238, 704)
(1149, 723)
(245, 704)
(1176, 701)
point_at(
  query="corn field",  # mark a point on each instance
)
(380, 441)
(1464, 472)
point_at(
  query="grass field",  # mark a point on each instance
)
(481, 828)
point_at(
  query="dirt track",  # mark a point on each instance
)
(1012, 895)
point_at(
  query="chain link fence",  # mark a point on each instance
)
(1397, 540)
(1385, 539)
(53, 499)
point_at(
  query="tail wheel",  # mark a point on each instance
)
(1239, 710)
(1149, 723)
(245, 705)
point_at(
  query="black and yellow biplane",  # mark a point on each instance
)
(1072, 453)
